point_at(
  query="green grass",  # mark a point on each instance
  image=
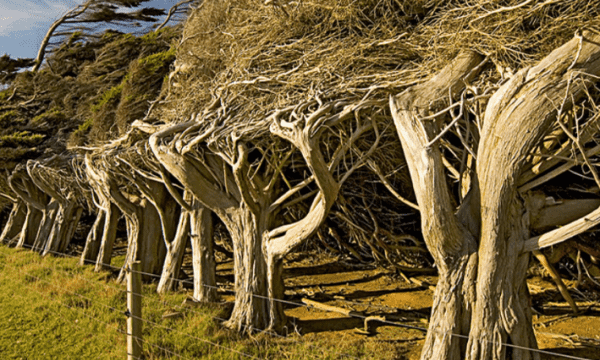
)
(52, 308)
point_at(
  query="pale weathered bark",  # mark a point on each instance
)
(251, 307)
(174, 256)
(63, 227)
(174, 238)
(45, 227)
(27, 236)
(203, 256)
(144, 239)
(144, 230)
(525, 106)
(15, 221)
(38, 207)
(450, 242)
(247, 206)
(109, 234)
(99, 185)
(480, 250)
(93, 240)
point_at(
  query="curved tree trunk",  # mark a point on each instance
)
(93, 240)
(14, 224)
(144, 241)
(485, 282)
(109, 234)
(174, 257)
(63, 228)
(45, 227)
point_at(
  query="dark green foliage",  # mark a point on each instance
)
(10, 67)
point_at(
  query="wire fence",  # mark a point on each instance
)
(170, 353)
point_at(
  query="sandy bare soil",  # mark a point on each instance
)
(368, 290)
(372, 291)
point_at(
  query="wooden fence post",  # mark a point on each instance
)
(134, 312)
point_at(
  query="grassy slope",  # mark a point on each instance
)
(47, 305)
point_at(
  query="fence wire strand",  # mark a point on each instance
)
(306, 306)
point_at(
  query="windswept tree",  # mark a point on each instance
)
(96, 12)
(55, 178)
(144, 234)
(235, 167)
(482, 248)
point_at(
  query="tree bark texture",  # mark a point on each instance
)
(93, 240)
(174, 256)
(109, 234)
(45, 226)
(27, 236)
(63, 227)
(479, 250)
(203, 255)
(144, 241)
(244, 206)
(14, 224)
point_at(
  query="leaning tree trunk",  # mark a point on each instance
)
(451, 244)
(93, 240)
(109, 234)
(174, 233)
(63, 228)
(15, 221)
(484, 283)
(45, 227)
(174, 256)
(526, 106)
(33, 222)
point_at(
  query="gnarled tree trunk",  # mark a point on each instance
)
(144, 240)
(480, 250)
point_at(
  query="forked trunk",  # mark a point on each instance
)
(201, 233)
(174, 256)
(93, 240)
(45, 227)
(517, 117)
(14, 224)
(63, 228)
(109, 233)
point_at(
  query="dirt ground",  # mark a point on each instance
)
(368, 291)
(355, 291)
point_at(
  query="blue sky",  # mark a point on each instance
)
(23, 23)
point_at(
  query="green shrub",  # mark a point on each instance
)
(154, 62)
(52, 115)
(112, 94)
(21, 138)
